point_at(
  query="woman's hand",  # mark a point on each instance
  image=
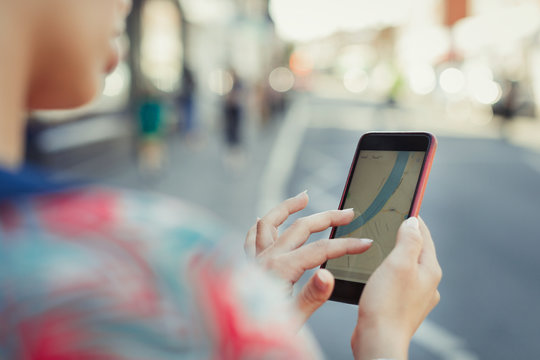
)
(288, 257)
(398, 296)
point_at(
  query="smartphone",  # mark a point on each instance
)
(385, 186)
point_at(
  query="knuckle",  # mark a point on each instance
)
(416, 240)
(337, 213)
(271, 263)
(330, 213)
(436, 276)
(261, 224)
(410, 240)
(279, 212)
(322, 245)
(333, 215)
(259, 234)
(309, 295)
(436, 298)
(438, 273)
(300, 224)
(285, 206)
(312, 296)
(435, 273)
(402, 266)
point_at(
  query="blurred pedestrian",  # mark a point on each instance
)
(232, 119)
(151, 155)
(94, 273)
(232, 113)
(189, 90)
(507, 107)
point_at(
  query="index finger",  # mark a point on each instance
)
(300, 231)
(280, 213)
(318, 252)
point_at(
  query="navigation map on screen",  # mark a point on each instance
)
(381, 192)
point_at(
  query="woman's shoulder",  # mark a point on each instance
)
(113, 257)
(104, 232)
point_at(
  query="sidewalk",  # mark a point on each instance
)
(196, 170)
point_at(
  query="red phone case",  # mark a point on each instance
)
(351, 291)
(422, 182)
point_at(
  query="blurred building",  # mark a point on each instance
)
(469, 58)
(458, 52)
(167, 39)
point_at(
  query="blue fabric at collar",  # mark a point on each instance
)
(28, 181)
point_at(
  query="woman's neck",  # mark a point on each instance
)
(14, 68)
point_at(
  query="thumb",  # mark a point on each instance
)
(315, 293)
(409, 242)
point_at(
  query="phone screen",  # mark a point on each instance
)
(381, 191)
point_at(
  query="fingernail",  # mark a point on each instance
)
(366, 241)
(348, 210)
(413, 223)
(322, 278)
(302, 194)
(258, 219)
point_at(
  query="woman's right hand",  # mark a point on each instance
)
(398, 296)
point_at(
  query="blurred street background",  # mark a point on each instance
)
(238, 104)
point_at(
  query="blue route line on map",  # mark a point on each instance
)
(391, 185)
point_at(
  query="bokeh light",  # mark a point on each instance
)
(452, 80)
(480, 84)
(301, 63)
(356, 80)
(161, 45)
(220, 82)
(422, 79)
(281, 79)
(488, 93)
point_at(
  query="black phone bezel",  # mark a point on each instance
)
(349, 291)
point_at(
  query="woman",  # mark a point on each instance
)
(98, 274)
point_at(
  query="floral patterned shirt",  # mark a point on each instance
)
(100, 274)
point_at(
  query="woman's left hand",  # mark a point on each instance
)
(286, 255)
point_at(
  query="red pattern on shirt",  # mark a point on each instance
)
(77, 213)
